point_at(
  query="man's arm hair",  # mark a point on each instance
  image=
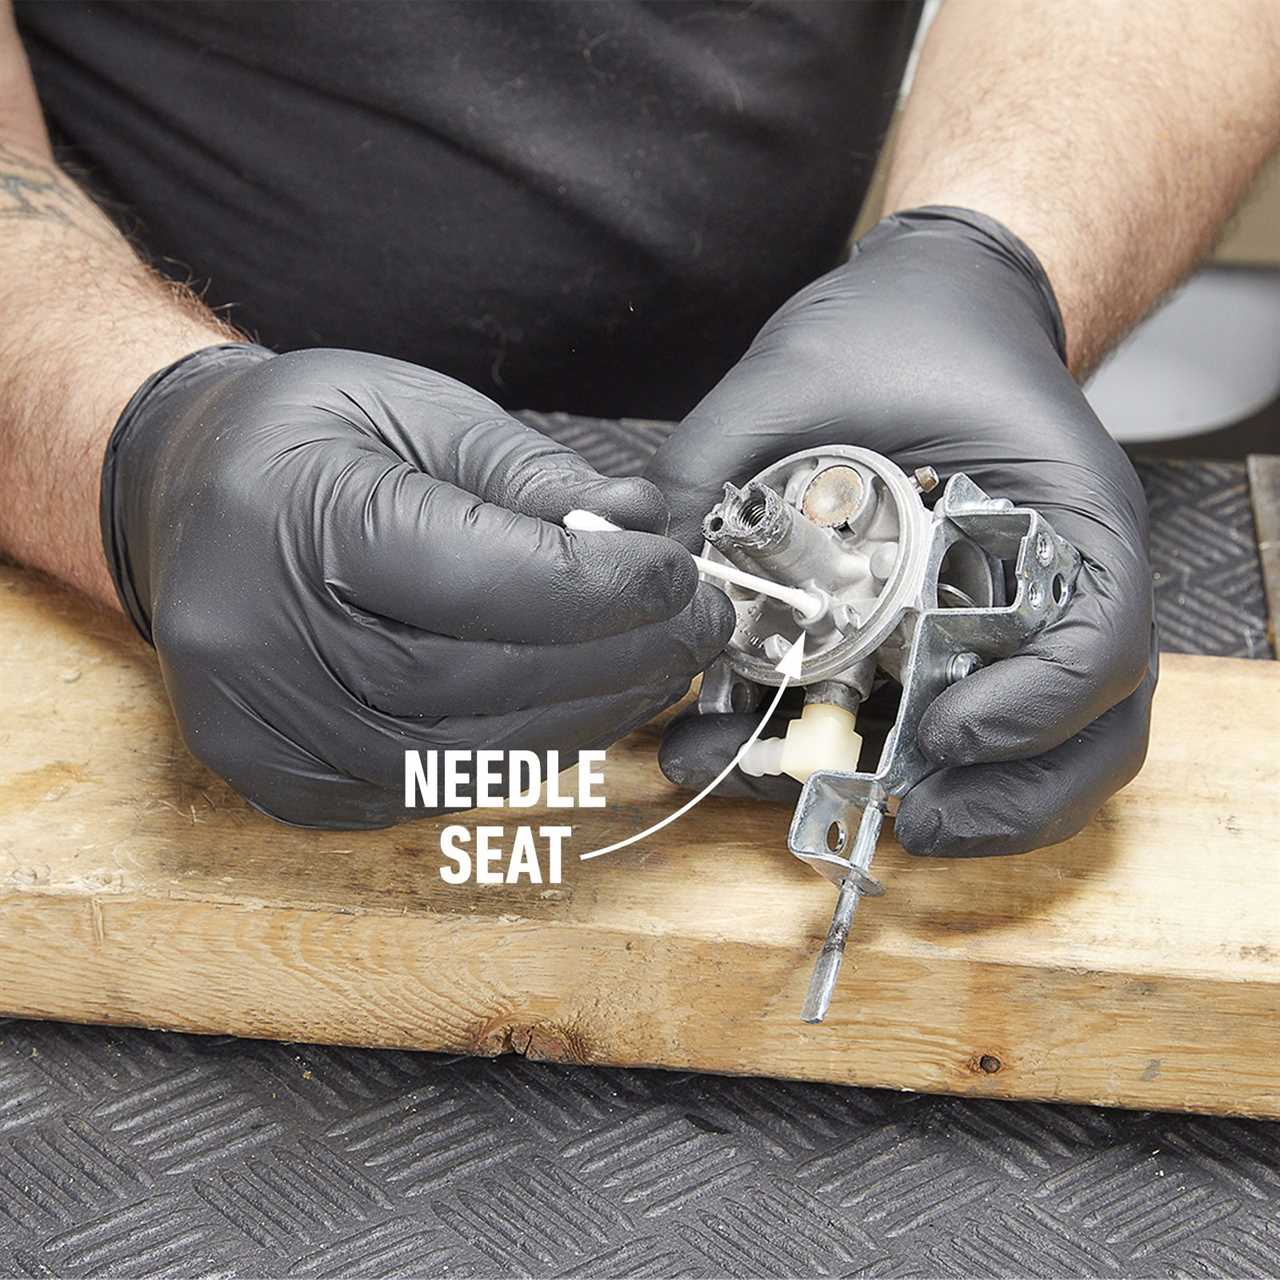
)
(82, 324)
(1114, 136)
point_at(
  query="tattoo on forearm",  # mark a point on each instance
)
(35, 190)
(40, 192)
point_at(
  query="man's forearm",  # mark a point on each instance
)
(82, 324)
(1114, 138)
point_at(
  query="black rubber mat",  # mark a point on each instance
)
(1204, 551)
(138, 1154)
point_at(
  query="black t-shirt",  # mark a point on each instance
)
(579, 206)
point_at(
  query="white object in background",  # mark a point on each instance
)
(1209, 358)
(808, 606)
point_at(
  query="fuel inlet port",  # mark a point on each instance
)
(823, 736)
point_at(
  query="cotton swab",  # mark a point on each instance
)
(805, 603)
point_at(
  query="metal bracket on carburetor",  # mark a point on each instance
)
(918, 597)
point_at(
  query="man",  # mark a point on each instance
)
(596, 208)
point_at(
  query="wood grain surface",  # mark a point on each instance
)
(1138, 964)
(1264, 493)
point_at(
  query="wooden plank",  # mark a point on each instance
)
(1138, 964)
(1264, 493)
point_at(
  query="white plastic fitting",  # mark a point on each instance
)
(824, 736)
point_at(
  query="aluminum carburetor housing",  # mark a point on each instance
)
(903, 593)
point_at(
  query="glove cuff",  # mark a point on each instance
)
(154, 404)
(992, 234)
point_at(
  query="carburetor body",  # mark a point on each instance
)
(906, 596)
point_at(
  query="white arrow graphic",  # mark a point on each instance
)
(789, 666)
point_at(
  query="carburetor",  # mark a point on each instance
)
(905, 598)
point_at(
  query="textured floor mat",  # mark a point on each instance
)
(1209, 594)
(135, 1154)
(131, 1154)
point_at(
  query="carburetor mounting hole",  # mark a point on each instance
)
(837, 837)
(1059, 588)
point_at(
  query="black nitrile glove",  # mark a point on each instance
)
(940, 344)
(339, 557)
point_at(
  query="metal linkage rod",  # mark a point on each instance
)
(827, 969)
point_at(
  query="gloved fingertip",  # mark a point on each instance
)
(696, 747)
(715, 619)
(675, 764)
(683, 754)
(945, 739)
(970, 813)
(631, 502)
(957, 728)
(641, 577)
(919, 828)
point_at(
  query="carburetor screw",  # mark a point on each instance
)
(1044, 548)
(775, 646)
(845, 617)
(961, 665)
(925, 479)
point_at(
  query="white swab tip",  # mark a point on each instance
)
(589, 522)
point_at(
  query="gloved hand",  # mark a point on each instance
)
(940, 344)
(339, 557)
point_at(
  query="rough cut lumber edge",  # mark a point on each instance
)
(1138, 965)
(1264, 492)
